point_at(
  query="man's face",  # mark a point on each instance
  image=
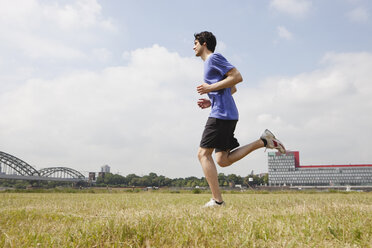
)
(198, 49)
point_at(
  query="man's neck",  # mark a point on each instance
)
(205, 55)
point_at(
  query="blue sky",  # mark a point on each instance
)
(249, 29)
(86, 83)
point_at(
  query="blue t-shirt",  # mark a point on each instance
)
(223, 105)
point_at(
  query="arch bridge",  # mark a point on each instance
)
(12, 167)
(16, 165)
(61, 172)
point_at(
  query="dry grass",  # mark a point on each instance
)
(177, 220)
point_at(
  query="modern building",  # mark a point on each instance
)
(92, 176)
(285, 169)
(105, 168)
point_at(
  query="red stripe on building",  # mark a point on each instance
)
(296, 155)
(332, 166)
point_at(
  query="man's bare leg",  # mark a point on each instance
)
(225, 159)
(210, 171)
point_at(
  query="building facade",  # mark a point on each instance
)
(105, 168)
(286, 170)
(92, 176)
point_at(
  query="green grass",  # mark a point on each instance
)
(177, 220)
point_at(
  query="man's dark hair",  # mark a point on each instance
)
(207, 37)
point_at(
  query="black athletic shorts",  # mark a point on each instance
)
(219, 134)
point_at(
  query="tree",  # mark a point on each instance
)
(222, 180)
(131, 178)
(152, 179)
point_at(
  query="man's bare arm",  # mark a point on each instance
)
(233, 77)
(233, 89)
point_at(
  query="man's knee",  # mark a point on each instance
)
(204, 152)
(223, 162)
(222, 159)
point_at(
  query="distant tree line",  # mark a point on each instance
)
(24, 184)
(153, 180)
(132, 180)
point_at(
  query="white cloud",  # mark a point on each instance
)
(296, 8)
(142, 117)
(323, 113)
(80, 14)
(101, 54)
(36, 47)
(284, 33)
(22, 14)
(126, 55)
(137, 118)
(358, 14)
(50, 30)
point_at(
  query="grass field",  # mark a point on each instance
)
(177, 220)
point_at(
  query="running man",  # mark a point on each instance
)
(220, 78)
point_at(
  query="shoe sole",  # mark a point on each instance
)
(276, 142)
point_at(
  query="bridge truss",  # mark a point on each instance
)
(12, 167)
(60, 172)
(16, 166)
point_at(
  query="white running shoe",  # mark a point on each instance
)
(212, 203)
(272, 142)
